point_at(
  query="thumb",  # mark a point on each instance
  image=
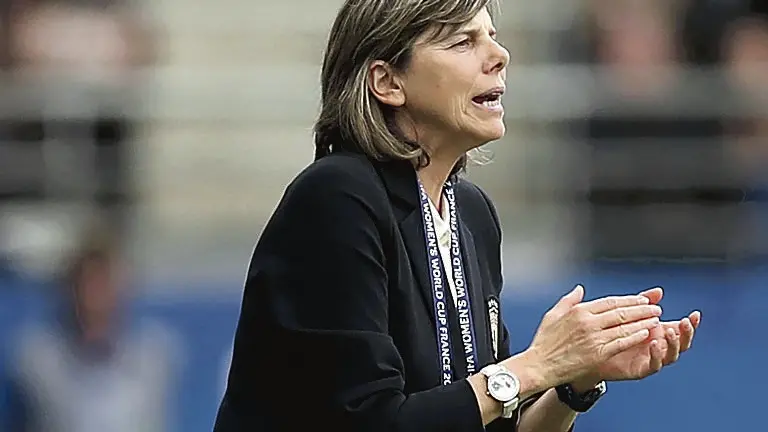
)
(571, 299)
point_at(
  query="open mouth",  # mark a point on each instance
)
(490, 99)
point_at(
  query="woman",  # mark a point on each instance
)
(371, 302)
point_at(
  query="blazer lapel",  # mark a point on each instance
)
(399, 179)
(412, 229)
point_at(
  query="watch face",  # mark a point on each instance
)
(503, 386)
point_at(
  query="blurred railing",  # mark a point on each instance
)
(223, 119)
(214, 147)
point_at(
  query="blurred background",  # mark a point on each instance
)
(144, 144)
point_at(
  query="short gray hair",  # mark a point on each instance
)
(366, 31)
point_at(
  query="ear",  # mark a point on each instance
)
(385, 84)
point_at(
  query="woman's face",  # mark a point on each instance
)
(451, 90)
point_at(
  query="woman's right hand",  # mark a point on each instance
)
(574, 337)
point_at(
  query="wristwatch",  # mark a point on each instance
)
(503, 386)
(580, 402)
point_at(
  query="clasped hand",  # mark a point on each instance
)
(612, 338)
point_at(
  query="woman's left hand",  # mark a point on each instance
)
(663, 347)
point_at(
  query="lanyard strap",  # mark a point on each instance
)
(438, 281)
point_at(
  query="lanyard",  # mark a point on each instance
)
(438, 281)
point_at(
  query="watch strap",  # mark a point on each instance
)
(580, 402)
(491, 369)
(508, 408)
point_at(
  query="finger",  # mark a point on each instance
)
(662, 341)
(686, 334)
(626, 330)
(622, 344)
(654, 295)
(657, 356)
(673, 347)
(674, 325)
(695, 318)
(627, 314)
(658, 333)
(613, 302)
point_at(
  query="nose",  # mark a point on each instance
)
(498, 58)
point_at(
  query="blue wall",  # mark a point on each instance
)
(715, 387)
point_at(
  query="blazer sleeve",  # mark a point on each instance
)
(326, 292)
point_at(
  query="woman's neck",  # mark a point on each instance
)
(434, 175)
(444, 152)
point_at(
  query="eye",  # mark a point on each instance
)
(463, 43)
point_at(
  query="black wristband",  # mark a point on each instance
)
(579, 402)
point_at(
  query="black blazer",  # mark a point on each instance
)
(336, 330)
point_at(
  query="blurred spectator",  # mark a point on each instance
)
(704, 24)
(657, 175)
(66, 120)
(745, 47)
(92, 369)
(745, 57)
